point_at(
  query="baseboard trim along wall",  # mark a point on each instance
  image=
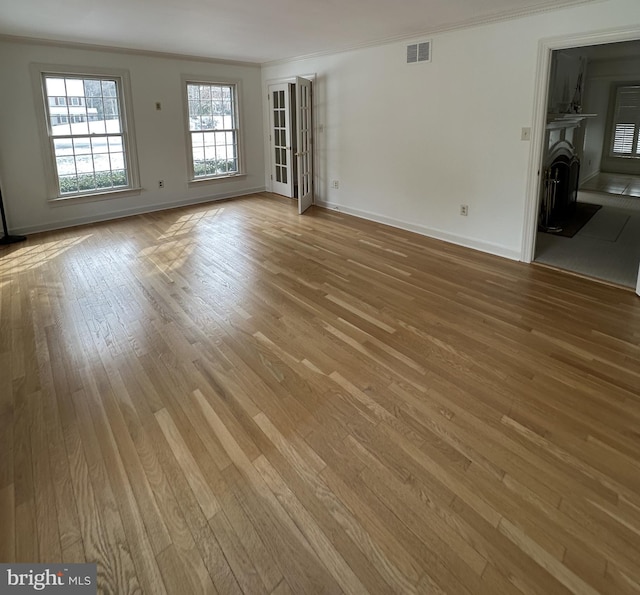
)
(133, 211)
(437, 234)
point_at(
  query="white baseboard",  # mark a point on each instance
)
(437, 234)
(589, 178)
(130, 212)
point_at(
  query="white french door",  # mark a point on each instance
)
(281, 171)
(304, 145)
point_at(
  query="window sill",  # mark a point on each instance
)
(197, 181)
(95, 196)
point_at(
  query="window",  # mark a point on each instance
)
(87, 134)
(213, 129)
(625, 126)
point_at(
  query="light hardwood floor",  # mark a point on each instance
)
(232, 398)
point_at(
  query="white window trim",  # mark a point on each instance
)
(212, 80)
(37, 77)
(610, 126)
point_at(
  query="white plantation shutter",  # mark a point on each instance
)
(623, 138)
(626, 122)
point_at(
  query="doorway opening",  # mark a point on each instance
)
(587, 203)
(291, 140)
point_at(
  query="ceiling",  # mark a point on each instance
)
(249, 30)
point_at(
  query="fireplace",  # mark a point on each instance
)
(561, 171)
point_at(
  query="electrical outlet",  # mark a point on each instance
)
(464, 210)
(160, 183)
(525, 134)
(335, 184)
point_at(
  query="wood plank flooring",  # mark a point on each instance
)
(231, 398)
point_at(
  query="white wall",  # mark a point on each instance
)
(160, 135)
(596, 101)
(566, 67)
(410, 143)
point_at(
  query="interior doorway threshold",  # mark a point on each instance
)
(582, 276)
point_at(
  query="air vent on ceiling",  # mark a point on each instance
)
(419, 52)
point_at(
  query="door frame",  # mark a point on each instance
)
(292, 79)
(545, 48)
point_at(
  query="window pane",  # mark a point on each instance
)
(98, 127)
(87, 182)
(60, 126)
(210, 153)
(63, 146)
(74, 88)
(115, 144)
(81, 127)
(68, 184)
(66, 165)
(82, 145)
(119, 177)
(199, 168)
(84, 163)
(117, 160)
(193, 92)
(110, 107)
(100, 145)
(113, 127)
(109, 89)
(102, 163)
(55, 86)
(92, 88)
(197, 139)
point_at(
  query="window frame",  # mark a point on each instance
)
(39, 74)
(611, 125)
(236, 85)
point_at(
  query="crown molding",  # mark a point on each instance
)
(73, 45)
(549, 6)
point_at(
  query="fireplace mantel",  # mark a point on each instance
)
(559, 121)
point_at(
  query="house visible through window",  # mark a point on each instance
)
(213, 129)
(625, 127)
(87, 133)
